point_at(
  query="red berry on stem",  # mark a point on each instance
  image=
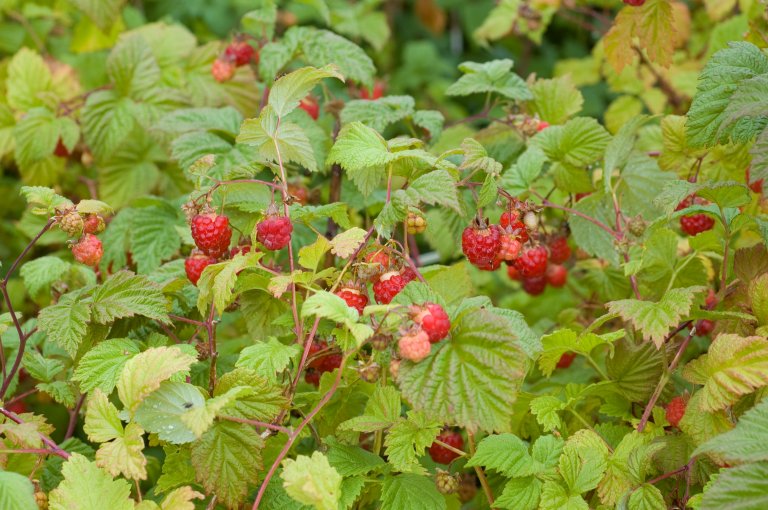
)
(557, 275)
(195, 264)
(223, 69)
(704, 327)
(559, 251)
(274, 232)
(634, 3)
(535, 285)
(240, 52)
(675, 410)
(88, 250)
(390, 284)
(312, 377)
(510, 220)
(513, 273)
(532, 262)
(93, 224)
(543, 124)
(414, 345)
(757, 186)
(693, 224)
(354, 298)
(433, 320)
(566, 359)
(18, 407)
(510, 247)
(309, 104)
(61, 150)
(443, 455)
(481, 245)
(211, 233)
(375, 93)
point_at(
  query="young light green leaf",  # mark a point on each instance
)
(312, 481)
(407, 440)
(102, 422)
(742, 487)
(495, 76)
(66, 322)
(123, 456)
(380, 113)
(161, 412)
(269, 358)
(347, 242)
(655, 320)
(277, 140)
(101, 366)
(289, 90)
(556, 100)
(505, 453)
(520, 494)
(351, 460)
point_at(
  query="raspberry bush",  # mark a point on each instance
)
(384, 255)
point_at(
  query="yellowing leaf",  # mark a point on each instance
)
(124, 456)
(143, 373)
(656, 31)
(181, 499)
(345, 244)
(618, 40)
(734, 366)
(86, 487)
(102, 422)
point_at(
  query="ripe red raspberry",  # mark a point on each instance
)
(481, 245)
(375, 93)
(711, 301)
(354, 298)
(414, 345)
(557, 275)
(222, 70)
(559, 251)
(211, 233)
(195, 264)
(93, 224)
(312, 377)
(443, 455)
(243, 249)
(274, 232)
(757, 186)
(61, 150)
(309, 104)
(513, 273)
(88, 250)
(510, 220)
(532, 262)
(634, 3)
(566, 359)
(510, 247)
(240, 52)
(315, 348)
(18, 407)
(433, 320)
(675, 410)
(535, 285)
(704, 327)
(693, 224)
(329, 363)
(390, 284)
(543, 124)
(490, 266)
(379, 257)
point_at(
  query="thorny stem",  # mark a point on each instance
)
(256, 423)
(23, 337)
(47, 441)
(479, 472)
(286, 211)
(210, 327)
(73, 415)
(295, 434)
(666, 375)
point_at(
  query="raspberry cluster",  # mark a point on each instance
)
(389, 285)
(237, 54)
(354, 298)
(274, 232)
(87, 249)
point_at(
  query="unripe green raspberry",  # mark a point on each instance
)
(445, 482)
(636, 226)
(93, 224)
(71, 223)
(370, 372)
